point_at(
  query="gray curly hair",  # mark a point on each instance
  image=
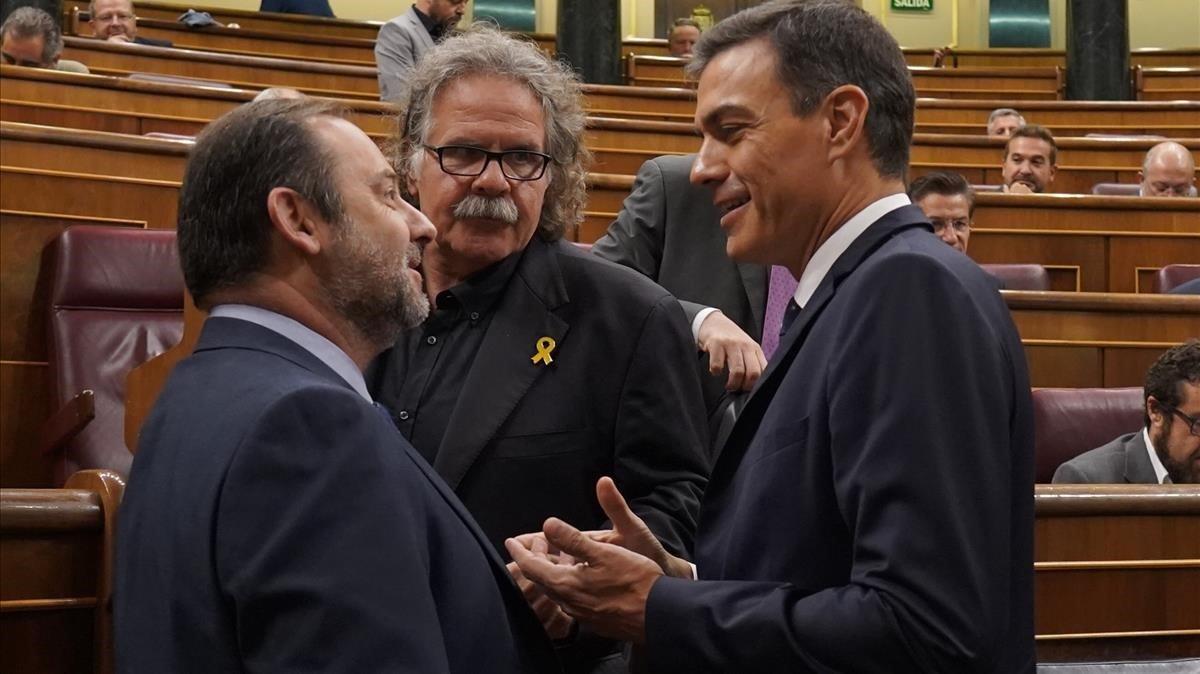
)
(483, 50)
(27, 22)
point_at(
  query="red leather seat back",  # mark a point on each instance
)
(1117, 189)
(1173, 275)
(1020, 276)
(116, 300)
(1070, 421)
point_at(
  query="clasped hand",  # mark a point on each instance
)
(601, 578)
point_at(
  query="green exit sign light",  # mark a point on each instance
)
(912, 5)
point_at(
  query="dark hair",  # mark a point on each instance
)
(27, 22)
(1034, 131)
(944, 183)
(239, 158)
(821, 45)
(1179, 364)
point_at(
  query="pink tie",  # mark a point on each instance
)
(780, 289)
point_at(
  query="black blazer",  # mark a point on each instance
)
(872, 510)
(622, 398)
(275, 521)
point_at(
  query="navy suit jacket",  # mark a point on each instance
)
(310, 7)
(276, 521)
(872, 510)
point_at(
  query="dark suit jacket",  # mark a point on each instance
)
(275, 521)
(151, 42)
(669, 230)
(527, 441)
(872, 510)
(310, 7)
(1122, 461)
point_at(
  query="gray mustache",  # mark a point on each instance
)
(501, 209)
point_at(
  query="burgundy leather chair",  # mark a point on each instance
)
(1117, 189)
(115, 301)
(1173, 275)
(1070, 421)
(1020, 276)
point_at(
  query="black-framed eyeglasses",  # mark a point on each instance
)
(464, 160)
(1193, 422)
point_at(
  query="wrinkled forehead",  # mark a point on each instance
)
(1029, 147)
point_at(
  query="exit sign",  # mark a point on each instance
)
(912, 5)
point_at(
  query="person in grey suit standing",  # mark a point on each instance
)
(669, 230)
(1167, 450)
(405, 38)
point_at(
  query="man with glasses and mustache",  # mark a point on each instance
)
(115, 21)
(1167, 450)
(541, 367)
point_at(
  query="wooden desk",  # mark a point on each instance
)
(300, 24)
(246, 72)
(1098, 340)
(1116, 570)
(1167, 84)
(1041, 58)
(56, 549)
(246, 41)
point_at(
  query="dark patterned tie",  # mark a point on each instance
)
(780, 289)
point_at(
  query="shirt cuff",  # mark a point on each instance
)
(700, 316)
(695, 572)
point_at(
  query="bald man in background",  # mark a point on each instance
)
(1169, 170)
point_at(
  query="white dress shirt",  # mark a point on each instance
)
(1160, 471)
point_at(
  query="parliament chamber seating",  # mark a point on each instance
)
(115, 301)
(1070, 421)
(1020, 276)
(1174, 275)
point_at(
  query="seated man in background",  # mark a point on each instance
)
(30, 37)
(1003, 121)
(403, 40)
(1030, 160)
(115, 21)
(309, 7)
(541, 367)
(275, 519)
(1168, 170)
(949, 202)
(1167, 450)
(684, 35)
(669, 230)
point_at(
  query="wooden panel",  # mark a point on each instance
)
(1065, 366)
(248, 41)
(55, 641)
(23, 388)
(270, 21)
(152, 201)
(1116, 564)
(1168, 83)
(340, 81)
(1077, 212)
(93, 152)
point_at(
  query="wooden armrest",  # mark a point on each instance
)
(68, 421)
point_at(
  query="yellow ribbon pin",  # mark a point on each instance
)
(544, 346)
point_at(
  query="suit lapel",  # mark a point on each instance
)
(1138, 469)
(503, 370)
(418, 29)
(754, 280)
(790, 344)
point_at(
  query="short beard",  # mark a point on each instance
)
(1180, 472)
(478, 207)
(372, 290)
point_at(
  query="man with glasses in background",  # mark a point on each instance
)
(1167, 450)
(115, 21)
(541, 367)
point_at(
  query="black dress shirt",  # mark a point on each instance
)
(441, 351)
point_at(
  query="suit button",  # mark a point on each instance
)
(431, 340)
(474, 315)
(402, 415)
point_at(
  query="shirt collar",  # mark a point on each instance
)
(436, 30)
(828, 253)
(326, 351)
(1160, 471)
(479, 292)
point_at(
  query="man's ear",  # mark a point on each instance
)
(1153, 411)
(845, 110)
(295, 220)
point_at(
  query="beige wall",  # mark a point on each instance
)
(1152, 23)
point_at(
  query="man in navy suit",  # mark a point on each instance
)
(872, 508)
(275, 519)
